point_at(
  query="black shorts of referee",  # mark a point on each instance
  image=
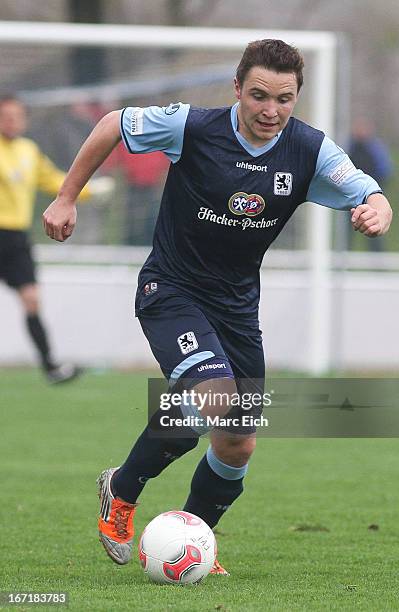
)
(17, 267)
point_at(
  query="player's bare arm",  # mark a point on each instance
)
(374, 217)
(59, 218)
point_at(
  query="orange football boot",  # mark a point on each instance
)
(115, 523)
(218, 569)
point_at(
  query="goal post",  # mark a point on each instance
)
(322, 83)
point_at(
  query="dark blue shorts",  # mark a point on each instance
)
(191, 343)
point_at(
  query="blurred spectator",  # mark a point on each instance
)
(370, 154)
(145, 176)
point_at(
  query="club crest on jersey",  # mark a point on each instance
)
(242, 203)
(187, 342)
(282, 183)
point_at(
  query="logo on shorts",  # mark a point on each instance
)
(187, 342)
(282, 183)
(241, 203)
(150, 288)
(211, 366)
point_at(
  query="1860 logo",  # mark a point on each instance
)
(241, 203)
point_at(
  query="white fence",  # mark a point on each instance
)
(89, 310)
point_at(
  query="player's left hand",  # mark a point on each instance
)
(369, 220)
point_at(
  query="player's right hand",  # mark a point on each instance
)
(59, 220)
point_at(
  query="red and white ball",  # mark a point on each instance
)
(177, 547)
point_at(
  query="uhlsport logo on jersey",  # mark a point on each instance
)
(242, 203)
(282, 183)
(187, 342)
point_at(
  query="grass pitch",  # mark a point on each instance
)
(298, 539)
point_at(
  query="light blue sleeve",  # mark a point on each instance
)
(155, 128)
(337, 183)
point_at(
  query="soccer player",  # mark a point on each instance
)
(237, 176)
(24, 169)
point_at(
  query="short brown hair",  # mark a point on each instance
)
(272, 54)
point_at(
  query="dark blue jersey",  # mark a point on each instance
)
(223, 203)
(218, 215)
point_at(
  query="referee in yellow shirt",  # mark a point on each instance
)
(24, 170)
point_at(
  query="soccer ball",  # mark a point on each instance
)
(177, 547)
